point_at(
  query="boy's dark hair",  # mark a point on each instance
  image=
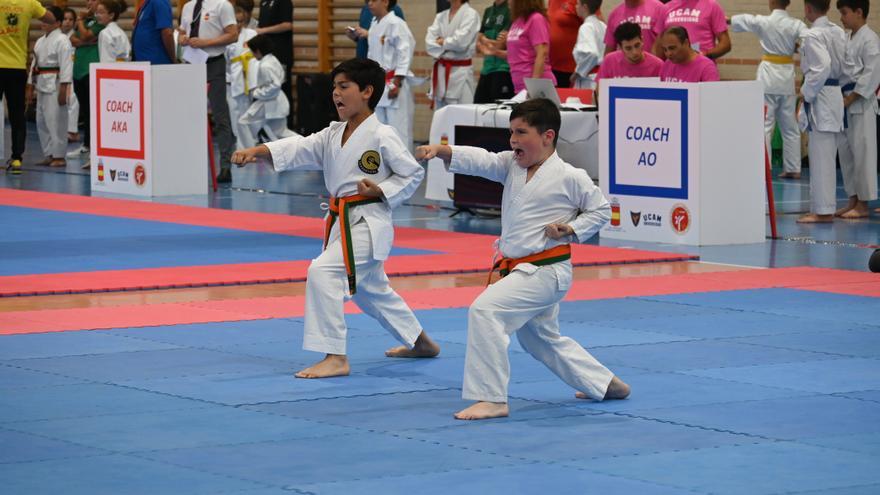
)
(783, 3)
(819, 5)
(541, 114)
(363, 72)
(592, 6)
(56, 12)
(854, 5)
(627, 31)
(114, 7)
(391, 4)
(261, 43)
(70, 11)
(679, 32)
(246, 5)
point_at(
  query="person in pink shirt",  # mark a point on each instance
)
(528, 43)
(683, 63)
(705, 22)
(645, 13)
(630, 60)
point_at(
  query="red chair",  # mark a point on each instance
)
(585, 95)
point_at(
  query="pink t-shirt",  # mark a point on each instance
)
(703, 19)
(521, 41)
(647, 15)
(700, 69)
(615, 65)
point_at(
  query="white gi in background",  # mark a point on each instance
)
(526, 301)
(72, 102)
(821, 114)
(588, 52)
(375, 152)
(269, 107)
(240, 61)
(453, 80)
(779, 34)
(857, 146)
(391, 45)
(113, 44)
(52, 65)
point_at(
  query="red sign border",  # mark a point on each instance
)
(131, 75)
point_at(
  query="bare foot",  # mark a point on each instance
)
(814, 218)
(58, 162)
(790, 175)
(853, 201)
(331, 365)
(617, 389)
(484, 410)
(423, 348)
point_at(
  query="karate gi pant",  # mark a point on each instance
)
(72, 112)
(528, 305)
(51, 125)
(238, 105)
(781, 111)
(327, 289)
(823, 172)
(401, 116)
(857, 148)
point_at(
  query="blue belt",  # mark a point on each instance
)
(832, 82)
(828, 82)
(848, 87)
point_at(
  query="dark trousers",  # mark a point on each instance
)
(494, 86)
(216, 72)
(81, 90)
(12, 86)
(563, 79)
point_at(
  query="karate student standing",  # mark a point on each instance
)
(590, 46)
(779, 34)
(821, 114)
(857, 146)
(113, 44)
(368, 171)
(547, 204)
(452, 40)
(68, 27)
(51, 77)
(269, 107)
(391, 44)
(241, 77)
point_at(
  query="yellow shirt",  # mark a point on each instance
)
(15, 22)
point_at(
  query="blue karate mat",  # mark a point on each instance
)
(47, 241)
(729, 396)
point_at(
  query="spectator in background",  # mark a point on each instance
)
(630, 59)
(68, 27)
(528, 43)
(241, 68)
(152, 37)
(683, 63)
(364, 22)
(495, 82)
(85, 41)
(276, 21)
(590, 47)
(113, 44)
(705, 23)
(564, 25)
(451, 40)
(645, 13)
(269, 108)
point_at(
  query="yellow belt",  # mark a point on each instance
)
(244, 58)
(778, 59)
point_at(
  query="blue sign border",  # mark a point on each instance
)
(630, 93)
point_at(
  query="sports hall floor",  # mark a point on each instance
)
(755, 369)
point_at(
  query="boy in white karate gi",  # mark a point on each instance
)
(269, 107)
(241, 76)
(546, 205)
(857, 145)
(51, 77)
(590, 46)
(368, 171)
(452, 40)
(821, 114)
(779, 34)
(391, 44)
(113, 44)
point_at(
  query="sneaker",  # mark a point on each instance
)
(13, 166)
(82, 150)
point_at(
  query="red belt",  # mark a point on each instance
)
(389, 76)
(339, 208)
(448, 65)
(595, 70)
(546, 257)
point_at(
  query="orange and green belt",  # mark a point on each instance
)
(546, 257)
(339, 207)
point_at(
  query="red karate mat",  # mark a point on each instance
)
(804, 278)
(458, 252)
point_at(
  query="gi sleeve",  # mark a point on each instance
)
(469, 160)
(65, 62)
(746, 23)
(269, 91)
(586, 52)
(300, 152)
(463, 38)
(595, 211)
(816, 66)
(406, 175)
(867, 82)
(431, 46)
(403, 44)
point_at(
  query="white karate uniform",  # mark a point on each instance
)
(526, 301)
(857, 145)
(113, 44)
(391, 45)
(72, 101)
(459, 43)
(822, 54)
(237, 88)
(779, 34)
(588, 52)
(52, 50)
(269, 107)
(372, 231)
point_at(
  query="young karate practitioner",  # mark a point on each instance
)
(68, 27)
(269, 107)
(368, 171)
(113, 44)
(590, 45)
(683, 63)
(821, 115)
(51, 77)
(391, 44)
(452, 40)
(857, 145)
(779, 34)
(241, 76)
(546, 205)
